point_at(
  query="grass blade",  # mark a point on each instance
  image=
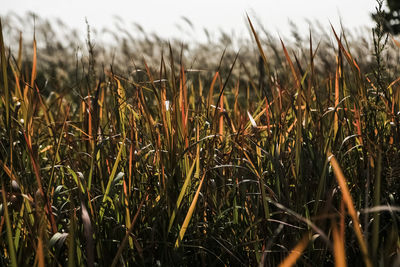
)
(125, 240)
(377, 202)
(296, 252)
(340, 178)
(260, 50)
(111, 178)
(189, 214)
(299, 111)
(181, 195)
(11, 248)
(338, 248)
(5, 78)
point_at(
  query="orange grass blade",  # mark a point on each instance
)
(8, 170)
(293, 70)
(36, 169)
(296, 251)
(346, 53)
(338, 247)
(397, 43)
(341, 179)
(40, 253)
(211, 90)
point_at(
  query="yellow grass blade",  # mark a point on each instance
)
(189, 213)
(121, 104)
(181, 194)
(34, 64)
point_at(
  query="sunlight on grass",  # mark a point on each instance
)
(157, 153)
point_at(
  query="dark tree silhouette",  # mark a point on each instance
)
(390, 19)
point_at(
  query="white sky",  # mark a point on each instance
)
(163, 16)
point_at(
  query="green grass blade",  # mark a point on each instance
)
(377, 202)
(111, 178)
(11, 248)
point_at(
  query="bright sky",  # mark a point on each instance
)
(165, 17)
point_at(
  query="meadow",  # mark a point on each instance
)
(148, 152)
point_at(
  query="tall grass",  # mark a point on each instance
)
(275, 154)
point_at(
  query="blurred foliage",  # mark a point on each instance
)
(389, 19)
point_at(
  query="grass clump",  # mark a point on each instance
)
(275, 156)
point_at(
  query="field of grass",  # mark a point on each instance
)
(164, 154)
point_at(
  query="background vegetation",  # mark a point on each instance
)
(155, 153)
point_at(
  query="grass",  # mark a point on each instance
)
(210, 161)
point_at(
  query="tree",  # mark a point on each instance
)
(390, 20)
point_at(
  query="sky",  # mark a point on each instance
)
(165, 18)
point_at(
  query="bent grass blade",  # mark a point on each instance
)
(341, 179)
